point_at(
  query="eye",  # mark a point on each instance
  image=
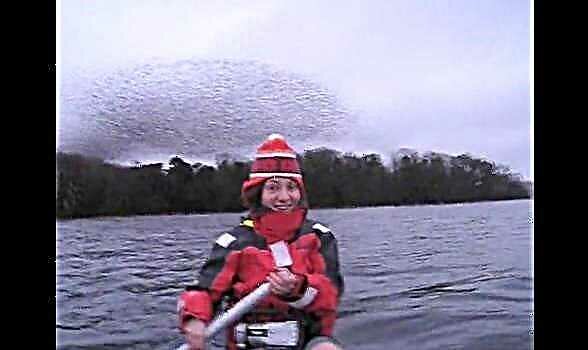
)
(292, 186)
(272, 187)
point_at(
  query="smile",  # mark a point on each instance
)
(283, 207)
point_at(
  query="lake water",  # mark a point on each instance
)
(424, 277)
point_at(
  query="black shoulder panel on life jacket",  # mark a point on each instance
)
(307, 226)
(246, 237)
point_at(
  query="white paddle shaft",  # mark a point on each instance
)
(242, 307)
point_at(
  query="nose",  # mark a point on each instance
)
(283, 194)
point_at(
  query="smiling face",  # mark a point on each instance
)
(280, 194)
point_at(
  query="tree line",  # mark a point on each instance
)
(88, 187)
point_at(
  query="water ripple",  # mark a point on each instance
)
(118, 279)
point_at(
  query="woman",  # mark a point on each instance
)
(276, 243)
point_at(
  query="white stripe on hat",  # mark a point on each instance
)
(275, 136)
(252, 175)
(275, 154)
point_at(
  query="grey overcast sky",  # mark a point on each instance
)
(445, 76)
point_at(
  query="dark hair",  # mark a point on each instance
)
(251, 199)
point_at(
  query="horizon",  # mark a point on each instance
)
(386, 159)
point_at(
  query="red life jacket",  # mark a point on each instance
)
(240, 261)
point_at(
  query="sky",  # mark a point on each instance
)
(446, 76)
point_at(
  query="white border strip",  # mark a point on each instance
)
(57, 69)
(532, 109)
(57, 112)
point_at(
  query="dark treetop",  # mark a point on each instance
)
(90, 187)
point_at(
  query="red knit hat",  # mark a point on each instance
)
(274, 158)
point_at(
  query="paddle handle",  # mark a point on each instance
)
(235, 313)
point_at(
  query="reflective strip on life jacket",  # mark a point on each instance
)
(225, 240)
(321, 228)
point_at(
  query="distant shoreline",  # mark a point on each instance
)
(89, 187)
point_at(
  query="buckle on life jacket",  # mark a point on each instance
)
(268, 335)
